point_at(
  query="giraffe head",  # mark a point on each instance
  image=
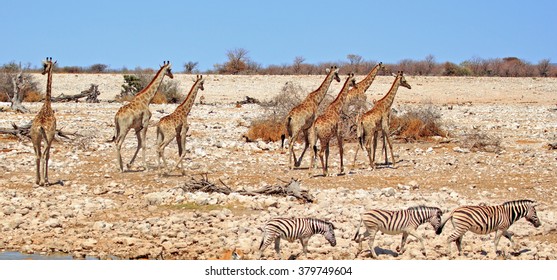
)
(334, 69)
(48, 65)
(200, 80)
(352, 82)
(167, 69)
(402, 80)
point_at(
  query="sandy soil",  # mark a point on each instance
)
(99, 211)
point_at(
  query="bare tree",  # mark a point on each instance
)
(190, 66)
(355, 62)
(15, 84)
(297, 64)
(544, 66)
(237, 60)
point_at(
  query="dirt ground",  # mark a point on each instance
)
(520, 112)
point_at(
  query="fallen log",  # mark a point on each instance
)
(25, 130)
(291, 189)
(91, 95)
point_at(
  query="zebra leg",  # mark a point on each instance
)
(421, 239)
(370, 243)
(458, 242)
(277, 247)
(400, 249)
(498, 235)
(304, 242)
(509, 235)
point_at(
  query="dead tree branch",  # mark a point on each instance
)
(91, 95)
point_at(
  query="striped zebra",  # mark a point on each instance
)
(292, 229)
(485, 219)
(395, 222)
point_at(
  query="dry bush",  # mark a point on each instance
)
(271, 126)
(167, 92)
(417, 124)
(268, 130)
(480, 142)
(33, 96)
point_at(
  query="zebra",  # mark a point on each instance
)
(295, 228)
(485, 219)
(395, 222)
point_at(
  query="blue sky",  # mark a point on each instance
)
(144, 33)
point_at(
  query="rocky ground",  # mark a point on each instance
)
(96, 211)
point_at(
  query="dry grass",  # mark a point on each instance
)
(480, 142)
(417, 124)
(33, 96)
(268, 130)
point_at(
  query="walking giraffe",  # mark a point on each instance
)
(327, 125)
(302, 116)
(43, 128)
(176, 125)
(136, 115)
(377, 119)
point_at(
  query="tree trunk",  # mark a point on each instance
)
(17, 99)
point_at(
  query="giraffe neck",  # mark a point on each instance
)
(337, 104)
(146, 95)
(187, 104)
(387, 101)
(364, 84)
(318, 95)
(47, 99)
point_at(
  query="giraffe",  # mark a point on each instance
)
(362, 86)
(326, 127)
(302, 116)
(377, 119)
(136, 115)
(176, 125)
(358, 93)
(43, 128)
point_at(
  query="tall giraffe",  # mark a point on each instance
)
(327, 126)
(176, 125)
(136, 115)
(377, 119)
(302, 116)
(44, 128)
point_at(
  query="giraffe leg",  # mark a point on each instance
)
(160, 150)
(341, 152)
(391, 148)
(306, 145)
(139, 144)
(182, 147)
(46, 156)
(119, 141)
(144, 145)
(372, 159)
(291, 154)
(38, 157)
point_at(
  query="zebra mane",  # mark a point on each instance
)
(421, 207)
(521, 201)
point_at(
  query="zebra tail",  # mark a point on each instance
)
(443, 222)
(358, 231)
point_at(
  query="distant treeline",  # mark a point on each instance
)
(239, 63)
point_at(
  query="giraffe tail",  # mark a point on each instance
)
(286, 130)
(115, 135)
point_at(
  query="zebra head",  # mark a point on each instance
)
(435, 218)
(532, 216)
(330, 234)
